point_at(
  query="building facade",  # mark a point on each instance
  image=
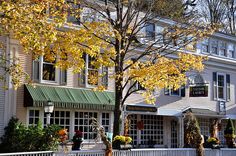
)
(210, 95)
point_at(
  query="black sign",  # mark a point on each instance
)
(198, 91)
(141, 108)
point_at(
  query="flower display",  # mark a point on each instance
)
(77, 140)
(213, 140)
(123, 139)
(63, 135)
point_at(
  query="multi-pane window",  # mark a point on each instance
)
(49, 70)
(221, 132)
(105, 121)
(92, 76)
(214, 46)
(150, 31)
(174, 134)
(231, 50)
(61, 118)
(83, 122)
(153, 130)
(33, 117)
(205, 46)
(221, 86)
(45, 71)
(204, 125)
(222, 50)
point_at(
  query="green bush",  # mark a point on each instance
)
(19, 138)
(229, 130)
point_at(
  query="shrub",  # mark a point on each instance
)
(19, 138)
(229, 130)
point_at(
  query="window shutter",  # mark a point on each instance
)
(214, 85)
(166, 91)
(227, 87)
(182, 91)
(63, 77)
(36, 70)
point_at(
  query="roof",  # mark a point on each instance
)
(203, 112)
(62, 97)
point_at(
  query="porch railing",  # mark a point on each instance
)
(133, 152)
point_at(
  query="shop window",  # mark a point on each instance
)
(83, 122)
(106, 121)
(204, 125)
(221, 86)
(133, 131)
(153, 130)
(92, 76)
(44, 71)
(61, 118)
(33, 117)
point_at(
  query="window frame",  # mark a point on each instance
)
(84, 75)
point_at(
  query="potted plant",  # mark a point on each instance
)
(122, 142)
(229, 134)
(77, 140)
(213, 142)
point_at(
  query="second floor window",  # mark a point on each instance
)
(92, 76)
(44, 71)
(221, 86)
(175, 92)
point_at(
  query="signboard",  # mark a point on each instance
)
(198, 91)
(222, 109)
(141, 108)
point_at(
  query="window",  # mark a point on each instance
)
(83, 123)
(49, 70)
(153, 129)
(137, 86)
(106, 121)
(205, 46)
(214, 47)
(231, 50)
(173, 92)
(150, 31)
(33, 117)
(221, 86)
(73, 12)
(61, 118)
(133, 132)
(92, 76)
(204, 125)
(45, 72)
(223, 51)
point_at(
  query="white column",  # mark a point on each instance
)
(181, 131)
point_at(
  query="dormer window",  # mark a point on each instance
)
(231, 50)
(150, 31)
(214, 47)
(205, 46)
(223, 51)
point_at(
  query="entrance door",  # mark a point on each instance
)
(174, 134)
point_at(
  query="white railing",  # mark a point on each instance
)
(38, 153)
(133, 152)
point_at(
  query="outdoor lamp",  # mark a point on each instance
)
(48, 109)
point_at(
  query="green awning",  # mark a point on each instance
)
(38, 95)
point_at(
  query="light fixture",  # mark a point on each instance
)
(48, 109)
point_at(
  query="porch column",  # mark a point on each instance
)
(181, 131)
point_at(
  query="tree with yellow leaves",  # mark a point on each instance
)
(113, 36)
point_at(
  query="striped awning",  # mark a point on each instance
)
(39, 95)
